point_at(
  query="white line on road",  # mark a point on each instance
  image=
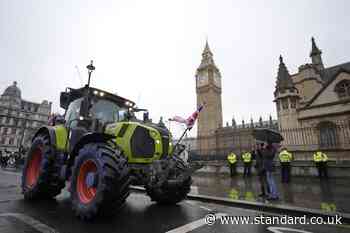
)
(11, 199)
(205, 208)
(193, 225)
(283, 229)
(39, 226)
(11, 173)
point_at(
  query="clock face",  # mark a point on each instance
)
(217, 80)
(202, 80)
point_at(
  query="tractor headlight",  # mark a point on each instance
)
(95, 92)
(102, 94)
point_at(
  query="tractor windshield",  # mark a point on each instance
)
(105, 111)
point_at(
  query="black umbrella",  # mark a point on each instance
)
(267, 135)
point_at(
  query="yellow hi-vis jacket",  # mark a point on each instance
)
(247, 157)
(285, 156)
(232, 158)
(320, 157)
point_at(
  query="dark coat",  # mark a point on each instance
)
(268, 157)
(259, 165)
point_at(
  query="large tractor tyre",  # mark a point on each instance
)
(100, 181)
(167, 194)
(41, 172)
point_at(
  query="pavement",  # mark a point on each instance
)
(140, 215)
(329, 196)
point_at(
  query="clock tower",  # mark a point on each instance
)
(208, 89)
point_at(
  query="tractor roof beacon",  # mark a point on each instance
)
(101, 148)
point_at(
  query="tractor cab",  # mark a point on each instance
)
(93, 108)
(89, 109)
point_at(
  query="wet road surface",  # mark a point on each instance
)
(308, 192)
(138, 215)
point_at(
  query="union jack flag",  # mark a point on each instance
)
(191, 120)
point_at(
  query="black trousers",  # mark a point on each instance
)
(285, 172)
(264, 186)
(232, 169)
(322, 169)
(247, 169)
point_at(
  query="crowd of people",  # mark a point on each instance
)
(264, 155)
(11, 158)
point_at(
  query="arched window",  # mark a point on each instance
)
(328, 134)
(343, 89)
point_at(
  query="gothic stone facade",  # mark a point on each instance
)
(212, 138)
(19, 119)
(313, 107)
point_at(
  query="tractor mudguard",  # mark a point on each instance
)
(57, 134)
(91, 137)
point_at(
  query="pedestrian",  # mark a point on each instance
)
(260, 170)
(285, 159)
(321, 160)
(232, 161)
(247, 161)
(269, 153)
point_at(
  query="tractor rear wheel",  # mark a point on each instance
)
(167, 194)
(41, 172)
(100, 181)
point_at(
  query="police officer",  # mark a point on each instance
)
(321, 160)
(285, 159)
(247, 161)
(232, 160)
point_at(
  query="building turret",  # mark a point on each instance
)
(315, 55)
(286, 97)
(261, 122)
(270, 121)
(251, 122)
(234, 124)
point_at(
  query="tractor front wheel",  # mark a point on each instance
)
(41, 172)
(100, 181)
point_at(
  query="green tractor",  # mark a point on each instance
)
(99, 150)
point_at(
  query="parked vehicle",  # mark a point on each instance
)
(101, 149)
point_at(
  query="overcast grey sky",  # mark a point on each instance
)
(148, 51)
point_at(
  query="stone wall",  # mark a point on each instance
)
(299, 168)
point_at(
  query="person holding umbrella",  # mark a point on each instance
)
(259, 167)
(269, 153)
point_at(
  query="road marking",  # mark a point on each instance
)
(10, 173)
(193, 225)
(39, 226)
(11, 199)
(205, 208)
(284, 229)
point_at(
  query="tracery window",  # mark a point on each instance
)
(343, 89)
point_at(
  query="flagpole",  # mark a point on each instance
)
(180, 139)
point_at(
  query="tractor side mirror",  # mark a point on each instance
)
(64, 100)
